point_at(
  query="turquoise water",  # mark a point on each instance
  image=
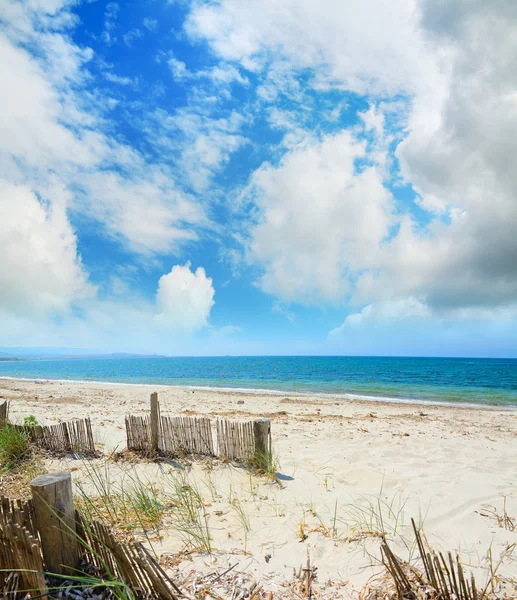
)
(471, 381)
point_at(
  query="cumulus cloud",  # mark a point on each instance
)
(359, 45)
(184, 298)
(41, 271)
(384, 314)
(461, 162)
(319, 222)
(459, 120)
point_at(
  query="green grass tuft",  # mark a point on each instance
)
(14, 447)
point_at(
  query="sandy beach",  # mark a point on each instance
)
(348, 470)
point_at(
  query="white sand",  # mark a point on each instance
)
(440, 465)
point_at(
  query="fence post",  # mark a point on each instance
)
(155, 422)
(261, 438)
(55, 519)
(4, 412)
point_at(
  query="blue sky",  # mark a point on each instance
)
(195, 177)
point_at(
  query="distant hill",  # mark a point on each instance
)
(46, 352)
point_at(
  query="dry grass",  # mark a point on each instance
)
(130, 506)
(504, 520)
(15, 482)
(439, 577)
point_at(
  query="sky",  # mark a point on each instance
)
(259, 177)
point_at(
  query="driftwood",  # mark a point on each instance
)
(72, 436)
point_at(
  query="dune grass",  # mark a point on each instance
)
(128, 504)
(14, 447)
(189, 517)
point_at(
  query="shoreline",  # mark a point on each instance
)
(353, 398)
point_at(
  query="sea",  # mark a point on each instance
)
(466, 381)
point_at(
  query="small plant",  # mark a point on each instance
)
(14, 447)
(190, 519)
(134, 506)
(505, 521)
(376, 516)
(266, 463)
(243, 519)
(30, 421)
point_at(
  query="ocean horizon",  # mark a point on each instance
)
(466, 381)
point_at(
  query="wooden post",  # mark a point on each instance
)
(155, 422)
(262, 442)
(55, 518)
(4, 412)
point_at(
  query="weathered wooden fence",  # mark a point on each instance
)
(21, 562)
(128, 563)
(186, 435)
(71, 436)
(138, 434)
(235, 440)
(24, 559)
(243, 441)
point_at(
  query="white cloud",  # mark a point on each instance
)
(384, 314)
(55, 128)
(41, 271)
(360, 45)
(113, 78)
(319, 222)
(150, 24)
(131, 36)
(184, 299)
(459, 157)
(198, 144)
(219, 74)
(452, 61)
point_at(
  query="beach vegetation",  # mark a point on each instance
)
(504, 520)
(30, 421)
(243, 519)
(266, 463)
(15, 447)
(128, 504)
(374, 516)
(188, 515)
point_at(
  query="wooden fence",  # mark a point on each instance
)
(72, 436)
(21, 562)
(235, 440)
(186, 435)
(138, 434)
(243, 441)
(128, 563)
(22, 565)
